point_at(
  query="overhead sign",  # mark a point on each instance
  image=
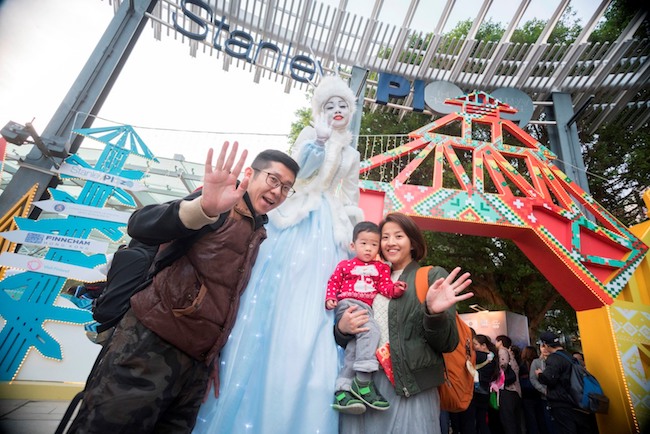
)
(46, 266)
(240, 44)
(55, 241)
(99, 176)
(517, 99)
(434, 94)
(91, 212)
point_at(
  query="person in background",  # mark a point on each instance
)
(417, 334)
(540, 364)
(556, 376)
(533, 405)
(488, 370)
(462, 421)
(129, 269)
(109, 260)
(510, 409)
(516, 351)
(579, 357)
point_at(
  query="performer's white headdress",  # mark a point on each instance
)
(328, 87)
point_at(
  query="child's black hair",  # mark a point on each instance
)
(365, 227)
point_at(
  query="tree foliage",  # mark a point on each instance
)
(503, 278)
(616, 18)
(565, 31)
(303, 117)
(388, 122)
(529, 33)
(617, 160)
(487, 31)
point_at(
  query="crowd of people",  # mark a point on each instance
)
(265, 323)
(533, 399)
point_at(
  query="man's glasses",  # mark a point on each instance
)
(273, 181)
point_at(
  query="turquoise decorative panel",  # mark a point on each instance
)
(27, 299)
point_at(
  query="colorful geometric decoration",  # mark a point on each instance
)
(486, 176)
(632, 327)
(616, 343)
(120, 137)
(27, 299)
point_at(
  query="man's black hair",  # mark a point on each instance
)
(365, 227)
(265, 158)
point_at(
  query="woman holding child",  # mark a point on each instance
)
(418, 333)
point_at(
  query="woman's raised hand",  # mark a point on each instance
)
(444, 293)
(220, 190)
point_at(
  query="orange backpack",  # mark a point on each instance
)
(457, 390)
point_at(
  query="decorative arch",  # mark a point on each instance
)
(476, 173)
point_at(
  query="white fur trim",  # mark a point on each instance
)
(354, 213)
(340, 162)
(328, 87)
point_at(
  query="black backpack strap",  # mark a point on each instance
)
(570, 359)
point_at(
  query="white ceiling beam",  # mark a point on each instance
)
(423, 71)
(470, 41)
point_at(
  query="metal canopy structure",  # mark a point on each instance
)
(342, 35)
(616, 74)
(78, 108)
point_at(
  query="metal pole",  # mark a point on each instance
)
(564, 140)
(358, 86)
(83, 101)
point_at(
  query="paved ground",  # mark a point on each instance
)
(30, 417)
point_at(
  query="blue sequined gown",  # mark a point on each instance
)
(280, 363)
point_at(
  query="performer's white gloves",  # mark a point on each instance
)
(323, 129)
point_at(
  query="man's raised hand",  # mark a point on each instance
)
(220, 190)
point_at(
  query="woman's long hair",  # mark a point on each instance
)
(528, 355)
(482, 339)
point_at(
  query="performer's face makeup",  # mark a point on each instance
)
(337, 111)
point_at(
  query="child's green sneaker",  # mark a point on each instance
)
(368, 393)
(345, 402)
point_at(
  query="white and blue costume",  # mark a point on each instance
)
(279, 367)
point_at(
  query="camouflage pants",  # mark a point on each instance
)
(141, 385)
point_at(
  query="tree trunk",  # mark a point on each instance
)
(535, 321)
